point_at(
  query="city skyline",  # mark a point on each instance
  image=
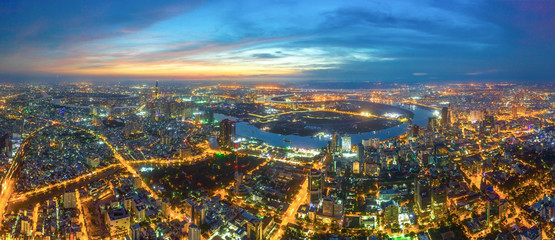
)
(253, 162)
(277, 119)
(407, 41)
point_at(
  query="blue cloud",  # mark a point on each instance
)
(339, 40)
(55, 23)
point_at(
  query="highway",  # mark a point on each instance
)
(22, 200)
(10, 201)
(289, 215)
(9, 179)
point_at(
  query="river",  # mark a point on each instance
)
(245, 129)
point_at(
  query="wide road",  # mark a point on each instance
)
(10, 178)
(59, 190)
(289, 215)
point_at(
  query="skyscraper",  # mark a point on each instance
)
(69, 199)
(422, 194)
(335, 143)
(327, 206)
(445, 117)
(432, 124)
(315, 185)
(346, 143)
(254, 229)
(194, 232)
(238, 177)
(157, 103)
(156, 92)
(227, 132)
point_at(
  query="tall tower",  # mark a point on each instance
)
(422, 194)
(315, 185)
(238, 177)
(336, 145)
(346, 143)
(156, 102)
(227, 132)
(445, 117)
(156, 91)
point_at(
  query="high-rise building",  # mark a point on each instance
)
(439, 200)
(391, 212)
(445, 117)
(338, 208)
(209, 117)
(26, 226)
(254, 229)
(360, 152)
(335, 143)
(156, 92)
(136, 232)
(371, 168)
(238, 177)
(118, 221)
(440, 155)
(315, 185)
(375, 142)
(422, 194)
(200, 214)
(190, 209)
(415, 130)
(188, 112)
(194, 232)
(332, 207)
(346, 143)
(227, 132)
(432, 124)
(495, 208)
(356, 167)
(327, 206)
(70, 199)
(8, 147)
(156, 103)
(476, 116)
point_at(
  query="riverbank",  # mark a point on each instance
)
(245, 129)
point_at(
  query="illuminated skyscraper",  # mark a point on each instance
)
(346, 143)
(335, 143)
(422, 194)
(445, 117)
(476, 115)
(238, 177)
(315, 185)
(432, 124)
(156, 101)
(227, 132)
(156, 91)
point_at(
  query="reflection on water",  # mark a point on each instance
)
(244, 129)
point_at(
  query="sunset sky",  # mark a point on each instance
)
(279, 40)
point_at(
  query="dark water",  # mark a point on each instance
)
(244, 129)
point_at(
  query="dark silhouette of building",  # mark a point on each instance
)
(227, 132)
